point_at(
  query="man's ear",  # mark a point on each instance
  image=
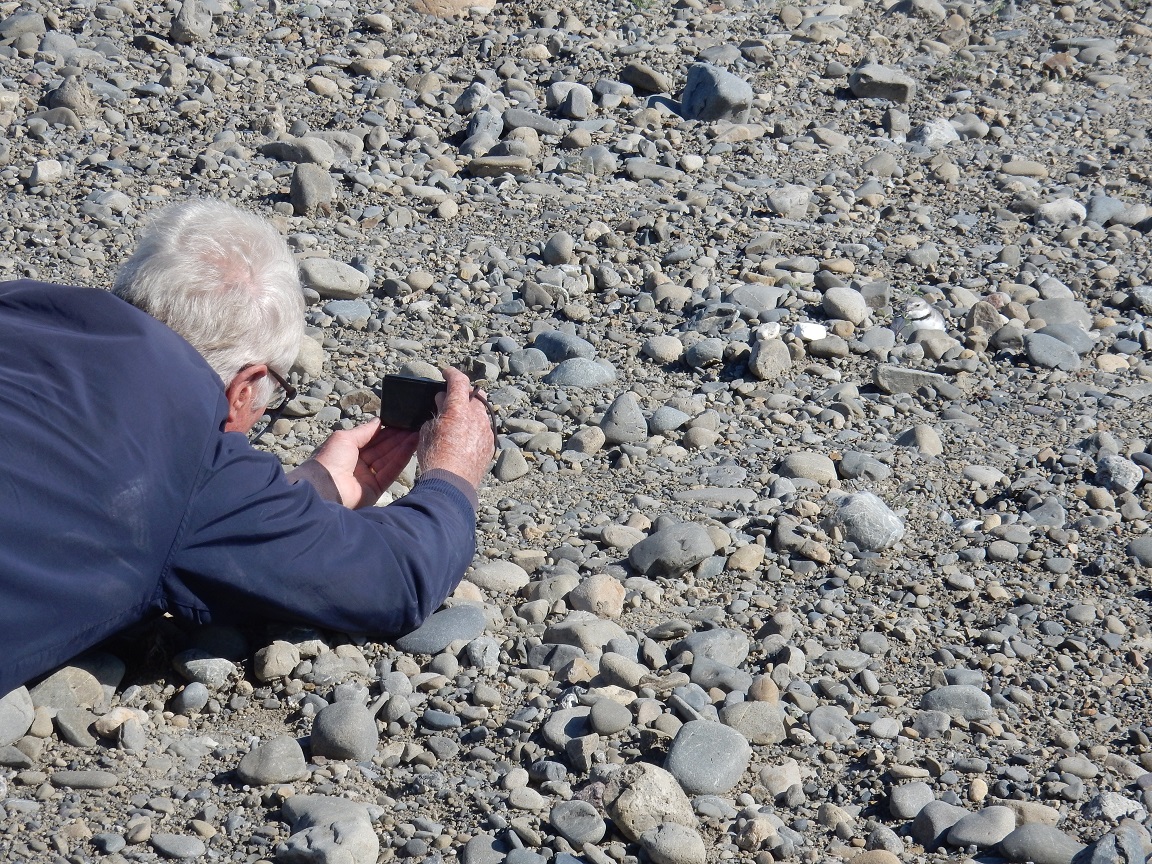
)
(243, 406)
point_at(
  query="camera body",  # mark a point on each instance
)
(408, 403)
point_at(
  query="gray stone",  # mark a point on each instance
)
(759, 722)
(597, 160)
(1050, 353)
(670, 843)
(769, 360)
(558, 346)
(312, 188)
(580, 372)
(278, 760)
(671, 551)
(959, 700)
(333, 280)
(712, 93)
(830, 724)
(644, 77)
(907, 800)
(1071, 335)
(935, 133)
(983, 829)
(639, 797)
(873, 81)
(707, 758)
(609, 717)
(1118, 474)
(1141, 549)
(623, 422)
(809, 466)
(348, 311)
(178, 846)
(666, 419)
(328, 830)
(1039, 844)
(566, 724)
(197, 665)
(344, 730)
(845, 303)
(578, 822)
(934, 821)
(92, 779)
(722, 644)
(70, 686)
(868, 522)
(790, 202)
(74, 725)
(193, 23)
(1061, 311)
(760, 298)
(464, 622)
(558, 250)
(16, 715)
(190, 700)
(505, 577)
(893, 379)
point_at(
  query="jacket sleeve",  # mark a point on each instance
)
(255, 545)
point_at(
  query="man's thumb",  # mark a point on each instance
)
(362, 434)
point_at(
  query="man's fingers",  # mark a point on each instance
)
(459, 389)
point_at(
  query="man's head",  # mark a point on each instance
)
(226, 281)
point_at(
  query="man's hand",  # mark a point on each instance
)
(459, 438)
(365, 461)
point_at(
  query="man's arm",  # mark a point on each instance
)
(256, 546)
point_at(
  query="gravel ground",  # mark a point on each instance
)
(818, 341)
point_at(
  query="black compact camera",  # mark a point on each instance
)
(408, 403)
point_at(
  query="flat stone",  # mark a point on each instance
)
(442, 628)
(1050, 353)
(333, 279)
(830, 724)
(329, 829)
(707, 758)
(92, 779)
(722, 644)
(278, 760)
(908, 799)
(640, 797)
(934, 821)
(712, 93)
(671, 551)
(16, 715)
(1040, 844)
(984, 828)
(893, 379)
(344, 730)
(578, 822)
(178, 846)
(809, 466)
(959, 700)
(580, 373)
(502, 577)
(759, 722)
(670, 843)
(873, 81)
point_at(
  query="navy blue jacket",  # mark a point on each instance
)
(122, 496)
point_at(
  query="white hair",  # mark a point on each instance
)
(223, 279)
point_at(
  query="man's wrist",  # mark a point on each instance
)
(316, 475)
(465, 488)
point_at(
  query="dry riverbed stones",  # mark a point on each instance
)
(818, 342)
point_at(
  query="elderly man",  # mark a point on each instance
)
(128, 486)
